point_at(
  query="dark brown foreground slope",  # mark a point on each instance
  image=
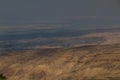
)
(78, 63)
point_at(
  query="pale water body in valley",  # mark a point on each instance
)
(10, 36)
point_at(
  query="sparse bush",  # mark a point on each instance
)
(114, 78)
(2, 77)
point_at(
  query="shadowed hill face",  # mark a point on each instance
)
(77, 63)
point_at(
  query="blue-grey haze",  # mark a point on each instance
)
(19, 12)
(24, 23)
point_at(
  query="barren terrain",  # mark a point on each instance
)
(95, 62)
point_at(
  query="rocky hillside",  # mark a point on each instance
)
(78, 63)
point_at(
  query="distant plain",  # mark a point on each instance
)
(14, 38)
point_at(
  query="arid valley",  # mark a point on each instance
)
(96, 62)
(59, 39)
(91, 56)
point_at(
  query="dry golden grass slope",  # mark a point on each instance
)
(78, 63)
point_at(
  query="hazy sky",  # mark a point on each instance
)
(30, 11)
